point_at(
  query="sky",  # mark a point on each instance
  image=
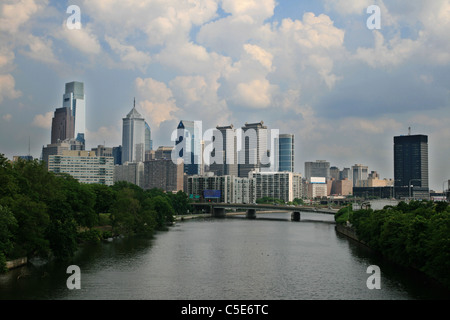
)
(316, 68)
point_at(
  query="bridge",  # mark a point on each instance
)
(218, 210)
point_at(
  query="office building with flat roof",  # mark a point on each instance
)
(411, 166)
(84, 166)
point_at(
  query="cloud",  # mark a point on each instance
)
(82, 39)
(43, 121)
(393, 53)
(257, 53)
(14, 14)
(7, 117)
(7, 87)
(40, 49)
(130, 57)
(255, 94)
(156, 101)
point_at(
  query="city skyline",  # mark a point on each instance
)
(309, 68)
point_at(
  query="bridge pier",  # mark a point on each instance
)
(218, 212)
(251, 214)
(295, 216)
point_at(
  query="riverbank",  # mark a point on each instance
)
(350, 233)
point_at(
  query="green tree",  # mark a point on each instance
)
(8, 226)
(163, 209)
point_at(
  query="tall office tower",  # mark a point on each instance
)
(345, 173)
(253, 153)
(117, 154)
(285, 153)
(133, 137)
(360, 173)
(411, 166)
(148, 142)
(225, 153)
(74, 99)
(320, 168)
(188, 146)
(62, 125)
(335, 173)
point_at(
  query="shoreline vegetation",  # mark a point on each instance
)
(414, 235)
(48, 216)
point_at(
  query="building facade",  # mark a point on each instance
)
(132, 172)
(411, 166)
(319, 168)
(223, 158)
(359, 173)
(133, 137)
(188, 146)
(286, 186)
(74, 99)
(85, 166)
(285, 153)
(163, 174)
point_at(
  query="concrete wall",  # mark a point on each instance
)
(16, 263)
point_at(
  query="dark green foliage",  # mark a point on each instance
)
(48, 215)
(269, 200)
(415, 234)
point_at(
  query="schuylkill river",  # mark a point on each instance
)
(224, 259)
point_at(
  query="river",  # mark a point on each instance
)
(270, 257)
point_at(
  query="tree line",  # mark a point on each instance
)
(47, 215)
(414, 234)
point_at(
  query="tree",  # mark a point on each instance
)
(8, 226)
(163, 209)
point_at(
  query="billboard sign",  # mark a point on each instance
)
(211, 194)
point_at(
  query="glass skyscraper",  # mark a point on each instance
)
(411, 166)
(75, 99)
(188, 143)
(285, 154)
(133, 137)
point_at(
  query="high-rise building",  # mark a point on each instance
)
(224, 155)
(359, 173)
(148, 142)
(320, 168)
(285, 152)
(163, 174)
(133, 137)
(117, 154)
(411, 166)
(286, 186)
(188, 143)
(132, 172)
(75, 100)
(335, 173)
(163, 152)
(63, 125)
(85, 166)
(252, 148)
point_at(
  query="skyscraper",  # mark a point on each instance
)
(225, 154)
(411, 166)
(188, 146)
(285, 152)
(252, 147)
(133, 137)
(63, 125)
(74, 99)
(359, 173)
(318, 169)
